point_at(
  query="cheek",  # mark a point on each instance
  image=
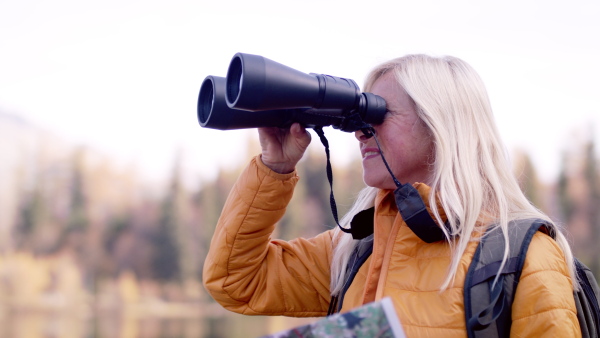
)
(408, 149)
(426, 141)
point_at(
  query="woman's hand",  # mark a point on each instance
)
(283, 148)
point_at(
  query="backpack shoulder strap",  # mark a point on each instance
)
(586, 301)
(359, 256)
(493, 318)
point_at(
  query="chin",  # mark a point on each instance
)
(381, 183)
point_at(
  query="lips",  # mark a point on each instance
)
(368, 153)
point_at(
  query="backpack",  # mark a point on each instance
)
(487, 309)
(492, 318)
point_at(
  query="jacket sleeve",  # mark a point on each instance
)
(544, 305)
(247, 272)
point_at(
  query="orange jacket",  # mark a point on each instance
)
(248, 272)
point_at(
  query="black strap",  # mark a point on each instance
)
(409, 202)
(363, 224)
(586, 301)
(319, 131)
(332, 305)
(358, 228)
(415, 214)
(489, 314)
(362, 251)
(411, 206)
(370, 132)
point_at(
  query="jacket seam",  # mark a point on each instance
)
(249, 206)
(430, 291)
(277, 272)
(462, 328)
(550, 270)
(545, 311)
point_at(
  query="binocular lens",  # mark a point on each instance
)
(206, 101)
(235, 78)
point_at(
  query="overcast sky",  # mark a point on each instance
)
(123, 76)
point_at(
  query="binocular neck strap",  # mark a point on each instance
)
(411, 206)
(319, 131)
(369, 132)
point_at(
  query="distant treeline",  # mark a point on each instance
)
(111, 223)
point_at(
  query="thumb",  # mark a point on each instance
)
(301, 135)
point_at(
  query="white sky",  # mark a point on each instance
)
(123, 76)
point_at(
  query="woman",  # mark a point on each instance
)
(439, 136)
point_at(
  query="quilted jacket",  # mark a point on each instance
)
(249, 272)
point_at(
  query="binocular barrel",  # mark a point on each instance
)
(259, 92)
(214, 113)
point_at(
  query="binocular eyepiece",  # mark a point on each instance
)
(259, 92)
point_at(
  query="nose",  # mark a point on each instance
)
(363, 135)
(360, 136)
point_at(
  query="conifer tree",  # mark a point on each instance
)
(565, 202)
(31, 214)
(167, 252)
(78, 216)
(593, 211)
(528, 180)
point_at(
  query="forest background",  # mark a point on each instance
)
(89, 248)
(110, 191)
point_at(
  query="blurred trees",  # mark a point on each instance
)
(593, 205)
(527, 178)
(573, 200)
(80, 210)
(168, 245)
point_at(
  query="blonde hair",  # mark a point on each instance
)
(471, 175)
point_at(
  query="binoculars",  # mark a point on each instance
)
(259, 92)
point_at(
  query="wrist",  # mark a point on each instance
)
(279, 168)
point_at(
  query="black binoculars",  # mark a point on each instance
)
(259, 92)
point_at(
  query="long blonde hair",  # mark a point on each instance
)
(472, 177)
